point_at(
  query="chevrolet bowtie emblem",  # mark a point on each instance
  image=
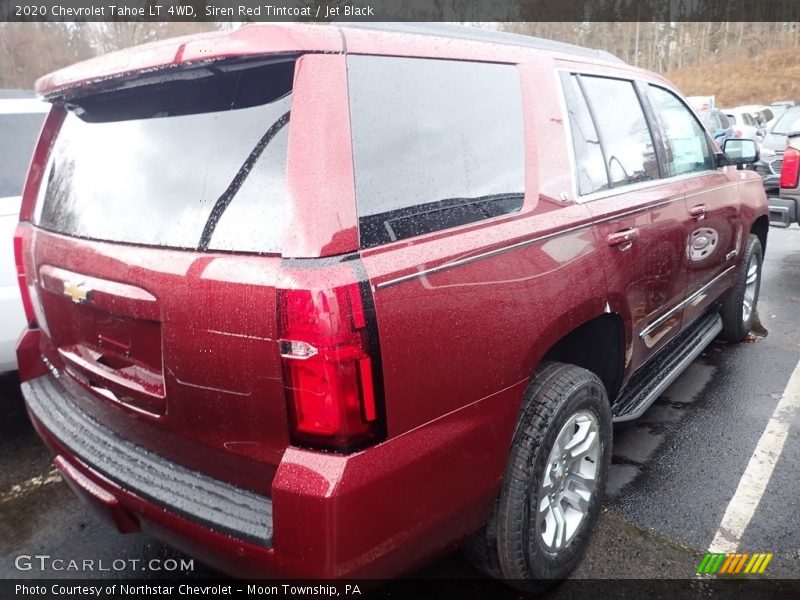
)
(77, 291)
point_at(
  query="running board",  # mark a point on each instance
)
(649, 383)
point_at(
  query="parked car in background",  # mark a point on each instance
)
(762, 115)
(299, 344)
(743, 123)
(780, 106)
(785, 210)
(21, 118)
(772, 147)
(765, 119)
(718, 124)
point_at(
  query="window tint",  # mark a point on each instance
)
(589, 163)
(724, 121)
(686, 141)
(18, 135)
(194, 162)
(436, 144)
(627, 144)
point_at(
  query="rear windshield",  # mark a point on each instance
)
(195, 160)
(789, 122)
(18, 134)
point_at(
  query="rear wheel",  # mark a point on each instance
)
(739, 308)
(554, 483)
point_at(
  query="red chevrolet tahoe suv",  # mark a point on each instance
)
(330, 301)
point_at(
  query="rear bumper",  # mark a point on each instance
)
(782, 211)
(197, 497)
(374, 514)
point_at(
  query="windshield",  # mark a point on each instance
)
(18, 135)
(709, 120)
(787, 123)
(198, 163)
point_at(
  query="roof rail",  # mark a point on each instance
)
(462, 32)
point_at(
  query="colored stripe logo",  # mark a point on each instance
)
(722, 563)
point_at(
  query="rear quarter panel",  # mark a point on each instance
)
(452, 335)
(464, 316)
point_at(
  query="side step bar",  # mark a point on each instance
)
(649, 383)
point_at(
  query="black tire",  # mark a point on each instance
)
(481, 550)
(510, 546)
(735, 326)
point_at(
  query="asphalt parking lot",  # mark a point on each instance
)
(674, 471)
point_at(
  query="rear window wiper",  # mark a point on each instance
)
(222, 203)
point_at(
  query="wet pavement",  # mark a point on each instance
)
(673, 471)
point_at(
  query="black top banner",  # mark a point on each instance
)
(399, 10)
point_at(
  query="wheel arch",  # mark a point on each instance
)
(580, 347)
(760, 228)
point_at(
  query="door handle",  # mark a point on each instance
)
(623, 239)
(698, 212)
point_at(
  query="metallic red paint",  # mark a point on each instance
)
(320, 169)
(29, 355)
(464, 316)
(252, 40)
(400, 502)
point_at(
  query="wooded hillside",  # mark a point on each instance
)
(739, 62)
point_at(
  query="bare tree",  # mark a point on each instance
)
(30, 50)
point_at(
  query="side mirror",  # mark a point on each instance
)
(740, 151)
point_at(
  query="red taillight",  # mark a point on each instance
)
(328, 359)
(30, 317)
(790, 168)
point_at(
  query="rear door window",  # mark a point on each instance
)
(195, 161)
(624, 134)
(589, 161)
(436, 144)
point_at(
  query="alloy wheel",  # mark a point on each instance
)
(569, 480)
(750, 289)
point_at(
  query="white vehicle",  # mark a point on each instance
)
(21, 118)
(744, 125)
(764, 115)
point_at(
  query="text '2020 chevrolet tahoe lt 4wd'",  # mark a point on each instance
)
(329, 301)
